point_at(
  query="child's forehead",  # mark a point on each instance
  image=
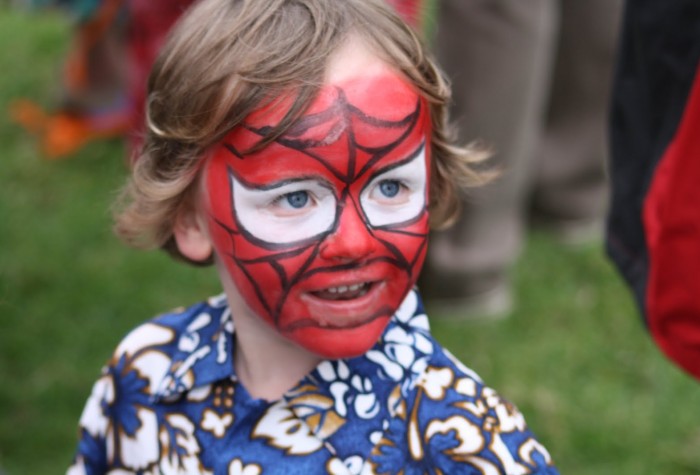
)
(363, 99)
(352, 126)
(384, 96)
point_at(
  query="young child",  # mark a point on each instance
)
(300, 146)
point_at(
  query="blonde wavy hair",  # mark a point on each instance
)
(226, 58)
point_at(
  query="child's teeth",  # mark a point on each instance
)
(345, 288)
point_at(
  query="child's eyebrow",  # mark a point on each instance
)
(322, 181)
(418, 152)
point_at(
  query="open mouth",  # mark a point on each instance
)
(352, 304)
(344, 292)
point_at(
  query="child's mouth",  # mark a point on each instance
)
(344, 292)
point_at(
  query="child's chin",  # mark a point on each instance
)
(341, 343)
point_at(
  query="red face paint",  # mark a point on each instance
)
(325, 230)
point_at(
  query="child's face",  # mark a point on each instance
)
(324, 231)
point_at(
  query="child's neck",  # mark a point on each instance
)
(267, 364)
(268, 369)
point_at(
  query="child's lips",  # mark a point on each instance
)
(346, 296)
(339, 307)
(343, 298)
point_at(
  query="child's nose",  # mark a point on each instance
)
(352, 240)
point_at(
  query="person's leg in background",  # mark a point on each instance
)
(498, 55)
(570, 187)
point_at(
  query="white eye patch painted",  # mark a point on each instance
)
(396, 195)
(284, 212)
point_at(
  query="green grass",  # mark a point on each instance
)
(576, 360)
(574, 357)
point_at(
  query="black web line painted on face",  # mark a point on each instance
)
(321, 181)
(343, 112)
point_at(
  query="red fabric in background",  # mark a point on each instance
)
(149, 24)
(409, 10)
(672, 224)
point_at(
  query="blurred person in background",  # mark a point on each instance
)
(104, 81)
(93, 102)
(654, 220)
(114, 45)
(531, 81)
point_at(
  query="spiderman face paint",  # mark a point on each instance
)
(324, 231)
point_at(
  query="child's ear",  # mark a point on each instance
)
(191, 236)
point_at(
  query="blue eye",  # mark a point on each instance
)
(297, 199)
(389, 188)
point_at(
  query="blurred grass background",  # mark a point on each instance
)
(574, 357)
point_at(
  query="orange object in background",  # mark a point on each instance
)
(62, 134)
(106, 72)
(94, 104)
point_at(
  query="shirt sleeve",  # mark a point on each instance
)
(464, 422)
(91, 454)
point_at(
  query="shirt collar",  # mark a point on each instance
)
(204, 353)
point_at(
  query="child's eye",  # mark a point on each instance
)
(293, 203)
(396, 194)
(296, 199)
(390, 192)
(285, 212)
(389, 188)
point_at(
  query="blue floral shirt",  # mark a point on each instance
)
(169, 402)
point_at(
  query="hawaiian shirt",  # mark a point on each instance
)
(169, 402)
